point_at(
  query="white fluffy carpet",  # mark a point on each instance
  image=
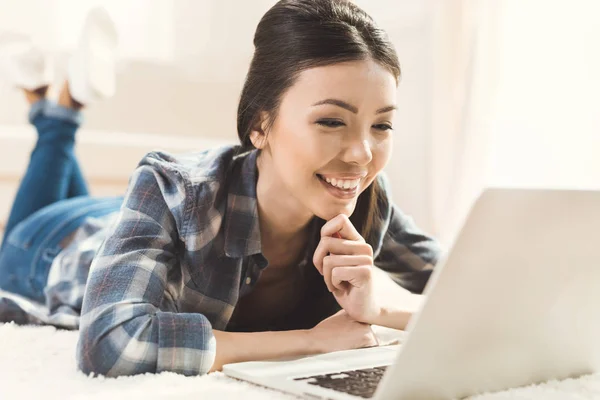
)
(39, 363)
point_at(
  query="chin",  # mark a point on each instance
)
(330, 211)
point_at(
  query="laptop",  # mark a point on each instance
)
(515, 301)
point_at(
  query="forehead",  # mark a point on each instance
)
(359, 82)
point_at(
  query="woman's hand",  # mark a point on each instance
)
(341, 332)
(346, 263)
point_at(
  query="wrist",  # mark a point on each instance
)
(312, 341)
(372, 318)
(396, 316)
(393, 317)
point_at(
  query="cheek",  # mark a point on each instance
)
(297, 154)
(304, 151)
(381, 152)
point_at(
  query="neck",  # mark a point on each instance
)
(283, 221)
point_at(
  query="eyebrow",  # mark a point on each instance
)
(350, 107)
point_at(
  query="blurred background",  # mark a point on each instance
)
(494, 92)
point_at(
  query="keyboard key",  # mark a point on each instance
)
(361, 382)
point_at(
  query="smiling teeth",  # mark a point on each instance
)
(343, 184)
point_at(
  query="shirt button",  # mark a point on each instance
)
(248, 280)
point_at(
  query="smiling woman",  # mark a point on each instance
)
(317, 61)
(344, 140)
(273, 248)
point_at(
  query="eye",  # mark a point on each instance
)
(383, 127)
(330, 123)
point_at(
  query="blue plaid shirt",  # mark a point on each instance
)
(184, 248)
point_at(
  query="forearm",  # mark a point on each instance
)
(397, 317)
(233, 347)
(397, 303)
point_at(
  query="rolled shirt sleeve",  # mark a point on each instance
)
(123, 331)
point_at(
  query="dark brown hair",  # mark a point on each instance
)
(295, 35)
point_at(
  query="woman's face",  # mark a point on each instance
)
(331, 136)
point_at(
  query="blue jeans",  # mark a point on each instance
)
(52, 201)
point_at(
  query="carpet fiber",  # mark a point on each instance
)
(39, 363)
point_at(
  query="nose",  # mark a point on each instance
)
(358, 151)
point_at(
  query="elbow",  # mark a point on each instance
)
(89, 356)
(102, 353)
(163, 342)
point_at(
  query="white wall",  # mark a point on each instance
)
(546, 128)
(183, 64)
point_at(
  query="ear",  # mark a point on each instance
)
(258, 135)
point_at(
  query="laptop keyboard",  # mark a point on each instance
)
(360, 382)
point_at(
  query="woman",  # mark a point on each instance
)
(267, 249)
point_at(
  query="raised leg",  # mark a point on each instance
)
(77, 185)
(52, 166)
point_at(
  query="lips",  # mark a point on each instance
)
(342, 183)
(340, 192)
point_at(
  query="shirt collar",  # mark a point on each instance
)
(242, 230)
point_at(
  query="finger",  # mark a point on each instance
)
(355, 276)
(321, 252)
(337, 260)
(327, 267)
(334, 261)
(343, 226)
(329, 245)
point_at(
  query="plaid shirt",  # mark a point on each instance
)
(185, 247)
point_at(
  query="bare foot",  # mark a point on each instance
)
(65, 99)
(36, 95)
